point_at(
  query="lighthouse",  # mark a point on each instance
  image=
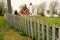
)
(30, 9)
(33, 9)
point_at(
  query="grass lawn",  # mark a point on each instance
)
(8, 33)
(48, 20)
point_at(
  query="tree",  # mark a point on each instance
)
(2, 9)
(9, 6)
(41, 8)
(53, 7)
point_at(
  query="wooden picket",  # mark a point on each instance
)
(35, 29)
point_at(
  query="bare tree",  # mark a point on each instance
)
(41, 8)
(9, 6)
(53, 7)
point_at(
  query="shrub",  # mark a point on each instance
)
(3, 9)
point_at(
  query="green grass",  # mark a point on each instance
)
(9, 33)
(2, 21)
(47, 20)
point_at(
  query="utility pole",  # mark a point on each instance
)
(9, 6)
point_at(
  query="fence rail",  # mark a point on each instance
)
(35, 29)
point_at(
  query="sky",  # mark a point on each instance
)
(17, 3)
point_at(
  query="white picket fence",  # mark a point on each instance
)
(33, 28)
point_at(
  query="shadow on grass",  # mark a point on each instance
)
(17, 30)
(21, 32)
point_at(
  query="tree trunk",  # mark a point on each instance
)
(9, 6)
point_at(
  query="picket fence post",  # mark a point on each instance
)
(59, 33)
(42, 31)
(53, 32)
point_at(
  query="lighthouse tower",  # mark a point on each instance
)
(30, 9)
(33, 9)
